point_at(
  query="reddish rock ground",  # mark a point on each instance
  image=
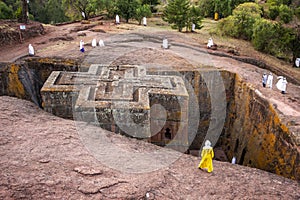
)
(43, 157)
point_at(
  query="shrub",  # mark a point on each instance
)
(194, 17)
(142, 11)
(5, 11)
(297, 12)
(285, 13)
(180, 14)
(227, 27)
(240, 24)
(264, 33)
(272, 38)
(127, 8)
(273, 12)
(176, 13)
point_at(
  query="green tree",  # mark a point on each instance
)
(240, 23)
(272, 38)
(245, 16)
(194, 17)
(55, 12)
(142, 11)
(295, 47)
(297, 12)
(127, 8)
(151, 3)
(285, 13)
(176, 13)
(87, 7)
(38, 9)
(279, 2)
(273, 12)
(109, 7)
(14, 4)
(223, 7)
(264, 33)
(279, 10)
(206, 8)
(5, 11)
(227, 26)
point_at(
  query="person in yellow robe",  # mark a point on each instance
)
(207, 155)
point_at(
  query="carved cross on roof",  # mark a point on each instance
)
(119, 98)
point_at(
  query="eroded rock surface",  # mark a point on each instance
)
(42, 157)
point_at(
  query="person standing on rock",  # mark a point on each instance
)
(281, 84)
(270, 80)
(233, 161)
(117, 19)
(297, 62)
(193, 27)
(210, 43)
(284, 83)
(94, 43)
(264, 79)
(207, 155)
(165, 44)
(101, 43)
(81, 46)
(30, 50)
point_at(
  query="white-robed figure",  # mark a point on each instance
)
(233, 161)
(281, 84)
(117, 19)
(144, 21)
(81, 46)
(30, 50)
(264, 79)
(297, 62)
(101, 43)
(210, 43)
(270, 80)
(94, 43)
(193, 27)
(165, 44)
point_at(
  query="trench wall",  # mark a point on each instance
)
(252, 132)
(25, 80)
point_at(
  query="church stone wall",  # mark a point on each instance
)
(119, 99)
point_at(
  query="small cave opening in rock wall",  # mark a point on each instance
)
(252, 131)
(168, 134)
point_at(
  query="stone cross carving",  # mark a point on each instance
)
(122, 99)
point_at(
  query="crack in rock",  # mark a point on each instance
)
(88, 171)
(94, 187)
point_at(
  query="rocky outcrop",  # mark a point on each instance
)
(43, 157)
(253, 131)
(255, 135)
(10, 32)
(25, 80)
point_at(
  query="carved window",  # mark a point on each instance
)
(168, 134)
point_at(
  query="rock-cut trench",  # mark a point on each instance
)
(251, 130)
